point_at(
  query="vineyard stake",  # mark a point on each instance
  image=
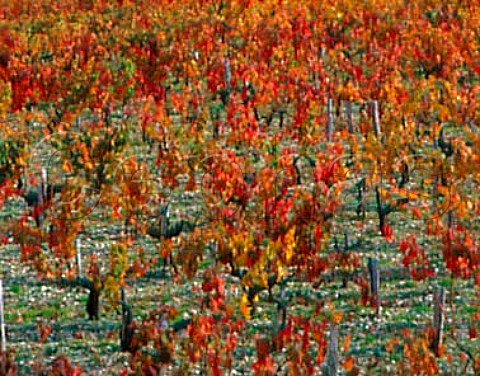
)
(126, 332)
(78, 245)
(349, 113)
(374, 282)
(331, 365)
(330, 119)
(228, 74)
(376, 119)
(2, 321)
(438, 319)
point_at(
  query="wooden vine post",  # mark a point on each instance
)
(228, 74)
(331, 365)
(126, 331)
(349, 113)
(346, 249)
(78, 245)
(93, 302)
(330, 119)
(3, 345)
(281, 318)
(438, 320)
(374, 283)
(380, 211)
(361, 189)
(376, 119)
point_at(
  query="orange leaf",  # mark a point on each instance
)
(337, 317)
(348, 363)
(390, 344)
(416, 212)
(346, 342)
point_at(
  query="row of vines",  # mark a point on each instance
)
(242, 150)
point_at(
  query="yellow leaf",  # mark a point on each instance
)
(67, 166)
(280, 271)
(245, 308)
(290, 243)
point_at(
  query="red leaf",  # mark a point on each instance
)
(387, 232)
(472, 331)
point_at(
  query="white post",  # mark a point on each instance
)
(374, 283)
(376, 119)
(438, 319)
(78, 245)
(330, 119)
(44, 182)
(331, 365)
(228, 74)
(2, 321)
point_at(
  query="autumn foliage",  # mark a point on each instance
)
(222, 113)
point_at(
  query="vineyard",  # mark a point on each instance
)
(239, 187)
